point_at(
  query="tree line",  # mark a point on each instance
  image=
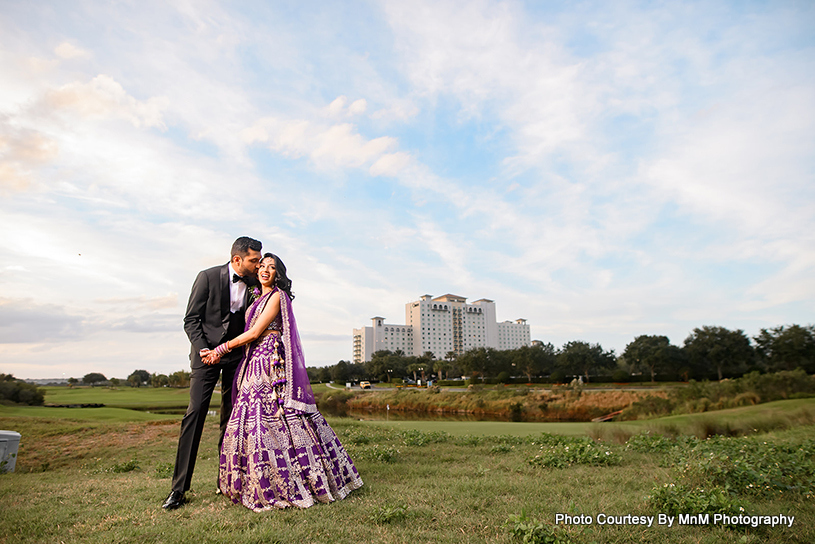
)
(709, 352)
(138, 378)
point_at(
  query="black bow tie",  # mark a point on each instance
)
(236, 278)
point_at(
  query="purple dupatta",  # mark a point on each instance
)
(298, 394)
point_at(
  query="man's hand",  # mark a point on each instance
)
(209, 357)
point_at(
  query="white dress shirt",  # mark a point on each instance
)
(237, 292)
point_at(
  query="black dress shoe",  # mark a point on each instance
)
(174, 500)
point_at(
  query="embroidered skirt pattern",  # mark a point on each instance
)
(276, 457)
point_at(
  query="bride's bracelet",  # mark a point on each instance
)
(222, 350)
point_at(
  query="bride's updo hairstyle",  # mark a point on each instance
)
(281, 280)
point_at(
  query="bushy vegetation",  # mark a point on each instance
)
(561, 451)
(17, 391)
(715, 475)
(752, 388)
(101, 481)
(749, 466)
(512, 404)
(708, 352)
(531, 531)
(673, 499)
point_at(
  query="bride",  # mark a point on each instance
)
(278, 450)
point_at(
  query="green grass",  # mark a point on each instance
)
(136, 398)
(80, 414)
(487, 428)
(321, 388)
(86, 478)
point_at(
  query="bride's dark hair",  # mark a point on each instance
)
(281, 280)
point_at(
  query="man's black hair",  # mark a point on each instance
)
(243, 244)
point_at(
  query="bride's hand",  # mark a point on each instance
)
(208, 356)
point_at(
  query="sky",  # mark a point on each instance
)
(601, 169)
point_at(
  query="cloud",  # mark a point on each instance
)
(358, 107)
(143, 302)
(156, 323)
(24, 321)
(67, 50)
(328, 146)
(21, 152)
(103, 97)
(337, 107)
(391, 164)
(599, 169)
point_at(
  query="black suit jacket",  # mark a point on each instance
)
(207, 319)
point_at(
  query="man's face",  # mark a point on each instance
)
(248, 264)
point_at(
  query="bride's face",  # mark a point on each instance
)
(267, 272)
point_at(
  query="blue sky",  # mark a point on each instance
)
(602, 169)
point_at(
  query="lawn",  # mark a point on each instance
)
(134, 398)
(86, 478)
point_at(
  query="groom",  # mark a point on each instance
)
(215, 314)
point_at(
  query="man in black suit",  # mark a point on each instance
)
(215, 314)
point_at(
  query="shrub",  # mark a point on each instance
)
(20, 392)
(558, 376)
(164, 470)
(414, 437)
(620, 376)
(649, 443)
(748, 466)
(127, 466)
(649, 406)
(335, 401)
(534, 532)
(673, 499)
(578, 451)
(389, 514)
(355, 436)
(516, 411)
(377, 452)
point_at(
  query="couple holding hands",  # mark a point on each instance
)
(276, 449)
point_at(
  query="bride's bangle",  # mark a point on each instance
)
(223, 349)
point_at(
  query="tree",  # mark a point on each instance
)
(385, 364)
(93, 378)
(584, 358)
(138, 378)
(179, 378)
(115, 382)
(19, 391)
(325, 375)
(787, 348)
(535, 360)
(357, 372)
(339, 372)
(721, 349)
(474, 362)
(72, 381)
(655, 353)
(159, 380)
(441, 366)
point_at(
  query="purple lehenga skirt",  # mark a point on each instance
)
(276, 458)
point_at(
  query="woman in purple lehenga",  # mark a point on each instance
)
(278, 450)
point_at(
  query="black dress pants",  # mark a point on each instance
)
(202, 383)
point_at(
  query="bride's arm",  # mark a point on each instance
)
(268, 315)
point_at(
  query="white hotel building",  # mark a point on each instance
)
(441, 325)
